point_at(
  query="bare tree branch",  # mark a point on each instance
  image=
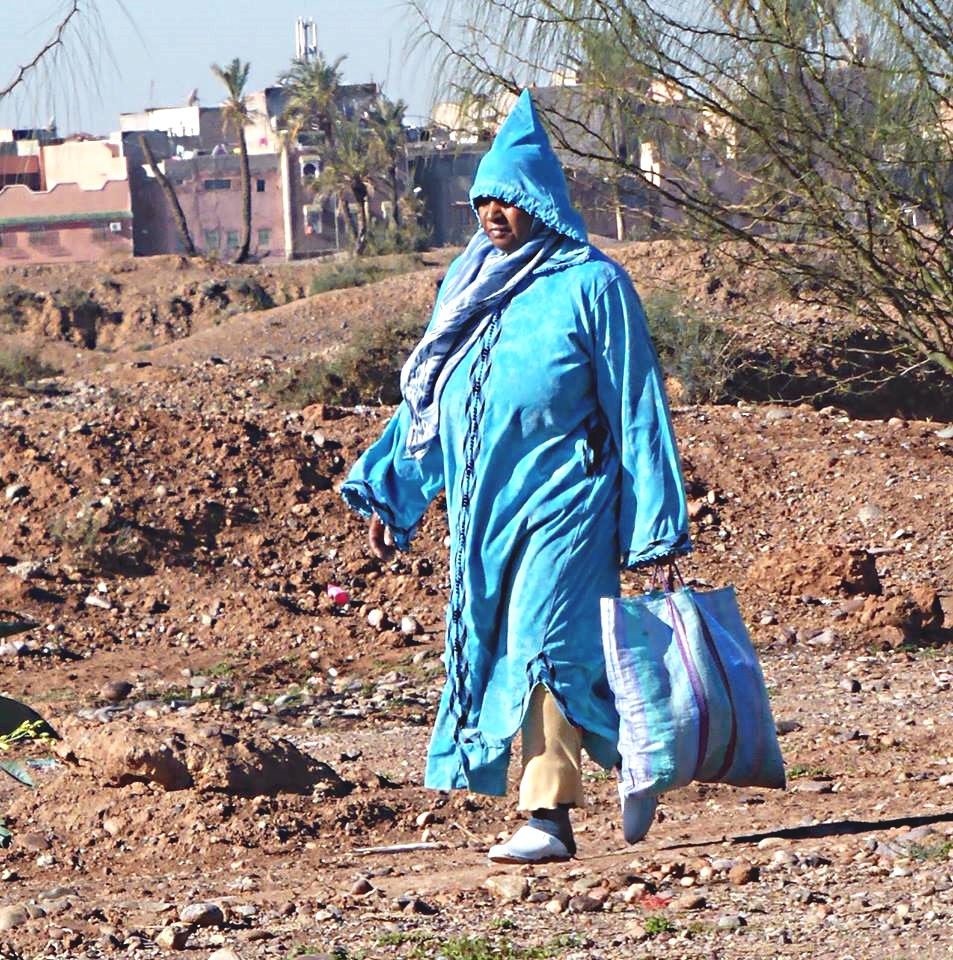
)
(55, 40)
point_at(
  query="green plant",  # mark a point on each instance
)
(75, 299)
(348, 273)
(19, 724)
(366, 370)
(473, 948)
(693, 347)
(342, 274)
(14, 300)
(20, 367)
(409, 237)
(396, 938)
(800, 771)
(656, 924)
(931, 851)
(251, 290)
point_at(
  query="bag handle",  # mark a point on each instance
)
(666, 575)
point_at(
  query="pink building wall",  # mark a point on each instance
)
(89, 163)
(213, 211)
(66, 223)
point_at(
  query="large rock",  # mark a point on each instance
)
(183, 756)
(508, 887)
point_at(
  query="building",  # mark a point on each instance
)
(192, 127)
(209, 191)
(75, 204)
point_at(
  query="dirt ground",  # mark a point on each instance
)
(241, 766)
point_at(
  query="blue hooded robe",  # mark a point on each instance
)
(557, 455)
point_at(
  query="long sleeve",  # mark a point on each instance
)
(396, 487)
(653, 514)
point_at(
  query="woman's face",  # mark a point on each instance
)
(507, 226)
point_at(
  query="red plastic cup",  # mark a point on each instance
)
(337, 594)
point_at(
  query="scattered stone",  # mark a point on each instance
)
(174, 937)
(225, 953)
(409, 627)
(58, 893)
(812, 786)
(13, 916)
(585, 904)
(784, 727)
(689, 901)
(868, 513)
(731, 922)
(850, 685)
(116, 690)
(361, 887)
(743, 872)
(16, 491)
(203, 915)
(377, 618)
(26, 570)
(508, 887)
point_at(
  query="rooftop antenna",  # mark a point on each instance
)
(306, 39)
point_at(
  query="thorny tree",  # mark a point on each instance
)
(237, 115)
(817, 135)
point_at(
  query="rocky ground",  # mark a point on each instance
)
(241, 764)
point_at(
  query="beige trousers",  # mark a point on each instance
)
(552, 749)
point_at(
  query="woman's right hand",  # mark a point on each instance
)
(380, 539)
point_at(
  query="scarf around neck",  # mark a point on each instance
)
(483, 281)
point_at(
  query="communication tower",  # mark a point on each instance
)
(306, 39)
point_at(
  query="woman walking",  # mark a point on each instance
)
(535, 400)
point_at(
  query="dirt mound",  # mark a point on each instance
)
(912, 617)
(187, 756)
(818, 570)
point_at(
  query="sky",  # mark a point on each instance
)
(154, 54)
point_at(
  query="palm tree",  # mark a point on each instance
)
(237, 115)
(349, 168)
(312, 87)
(387, 123)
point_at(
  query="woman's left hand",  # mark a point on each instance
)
(380, 539)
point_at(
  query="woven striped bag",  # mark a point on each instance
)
(689, 691)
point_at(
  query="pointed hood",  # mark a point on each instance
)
(522, 169)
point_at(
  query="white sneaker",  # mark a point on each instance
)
(638, 814)
(529, 845)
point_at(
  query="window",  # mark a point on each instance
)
(217, 184)
(264, 238)
(213, 239)
(39, 236)
(260, 185)
(231, 238)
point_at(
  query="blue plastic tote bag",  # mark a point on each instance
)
(689, 691)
